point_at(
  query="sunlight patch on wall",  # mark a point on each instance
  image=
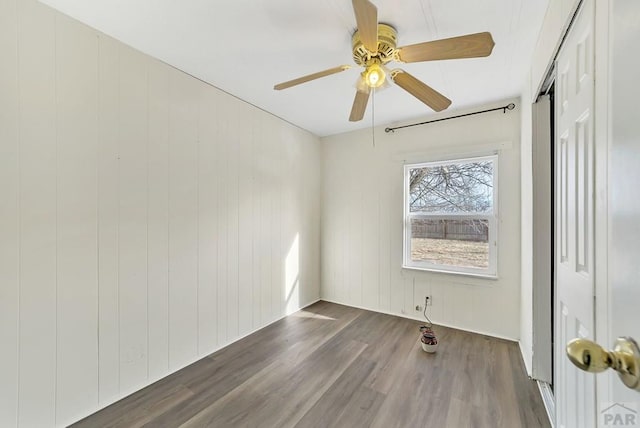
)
(292, 276)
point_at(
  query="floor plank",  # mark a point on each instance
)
(335, 366)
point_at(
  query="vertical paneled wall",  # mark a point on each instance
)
(362, 223)
(146, 218)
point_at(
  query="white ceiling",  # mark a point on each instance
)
(246, 46)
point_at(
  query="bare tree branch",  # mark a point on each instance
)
(466, 188)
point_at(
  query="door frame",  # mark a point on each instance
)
(543, 238)
(543, 243)
(602, 137)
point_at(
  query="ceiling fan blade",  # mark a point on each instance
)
(469, 46)
(359, 105)
(421, 91)
(367, 21)
(309, 77)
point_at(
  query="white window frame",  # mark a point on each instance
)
(492, 270)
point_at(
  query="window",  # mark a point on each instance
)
(450, 216)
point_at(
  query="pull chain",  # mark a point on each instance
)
(373, 114)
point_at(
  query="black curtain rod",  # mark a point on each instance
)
(504, 109)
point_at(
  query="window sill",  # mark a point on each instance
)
(449, 272)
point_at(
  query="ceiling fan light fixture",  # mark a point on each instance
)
(374, 45)
(374, 76)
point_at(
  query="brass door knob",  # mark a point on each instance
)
(593, 358)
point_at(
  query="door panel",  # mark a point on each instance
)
(624, 179)
(542, 368)
(575, 405)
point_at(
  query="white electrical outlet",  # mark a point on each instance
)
(428, 301)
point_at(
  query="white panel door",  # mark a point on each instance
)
(575, 390)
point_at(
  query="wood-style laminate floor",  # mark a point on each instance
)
(335, 366)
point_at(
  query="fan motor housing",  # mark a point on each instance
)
(387, 41)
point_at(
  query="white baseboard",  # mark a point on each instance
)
(525, 359)
(436, 322)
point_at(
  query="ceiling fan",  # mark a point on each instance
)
(374, 45)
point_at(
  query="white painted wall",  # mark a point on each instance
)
(554, 26)
(146, 218)
(362, 220)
